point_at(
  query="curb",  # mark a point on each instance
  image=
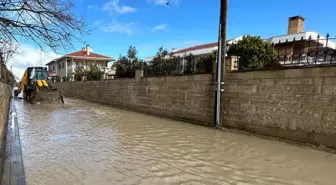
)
(13, 172)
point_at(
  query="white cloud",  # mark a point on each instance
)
(161, 2)
(29, 56)
(113, 6)
(161, 27)
(119, 27)
(94, 7)
(164, 2)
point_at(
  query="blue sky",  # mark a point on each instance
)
(149, 24)
(188, 22)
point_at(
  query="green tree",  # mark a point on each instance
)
(123, 67)
(126, 65)
(132, 53)
(252, 52)
(160, 57)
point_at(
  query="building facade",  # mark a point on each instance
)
(290, 47)
(65, 66)
(300, 46)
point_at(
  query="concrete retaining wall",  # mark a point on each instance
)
(296, 104)
(188, 98)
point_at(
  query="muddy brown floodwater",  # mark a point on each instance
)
(87, 143)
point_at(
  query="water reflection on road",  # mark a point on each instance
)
(86, 143)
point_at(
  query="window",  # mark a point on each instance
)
(38, 74)
(59, 66)
(69, 62)
(63, 65)
(53, 68)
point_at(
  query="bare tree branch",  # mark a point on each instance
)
(8, 50)
(50, 23)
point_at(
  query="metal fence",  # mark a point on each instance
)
(181, 66)
(306, 52)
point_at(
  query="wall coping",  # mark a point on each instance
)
(284, 73)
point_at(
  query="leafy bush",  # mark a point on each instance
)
(204, 63)
(164, 63)
(58, 79)
(79, 73)
(252, 52)
(65, 79)
(94, 72)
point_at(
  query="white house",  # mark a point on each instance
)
(65, 66)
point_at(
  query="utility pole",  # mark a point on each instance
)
(221, 61)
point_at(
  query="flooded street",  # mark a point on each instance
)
(86, 143)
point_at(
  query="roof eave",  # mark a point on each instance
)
(55, 60)
(94, 58)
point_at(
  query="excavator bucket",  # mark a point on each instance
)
(49, 97)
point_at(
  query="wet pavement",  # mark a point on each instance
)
(87, 143)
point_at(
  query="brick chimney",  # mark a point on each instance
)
(88, 51)
(295, 24)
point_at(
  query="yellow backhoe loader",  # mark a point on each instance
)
(34, 87)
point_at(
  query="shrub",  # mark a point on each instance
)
(65, 79)
(204, 64)
(79, 73)
(252, 52)
(94, 72)
(58, 79)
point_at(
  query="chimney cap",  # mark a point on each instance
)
(297, 17)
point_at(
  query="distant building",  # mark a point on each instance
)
(294, 43)
(200, 50)
(65, 66)
(297, 42)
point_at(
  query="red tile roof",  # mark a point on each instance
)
(203, 46)
(83, 54)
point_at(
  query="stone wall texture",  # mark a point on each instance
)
(294, 104)
(187, 98)
(5, 94)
